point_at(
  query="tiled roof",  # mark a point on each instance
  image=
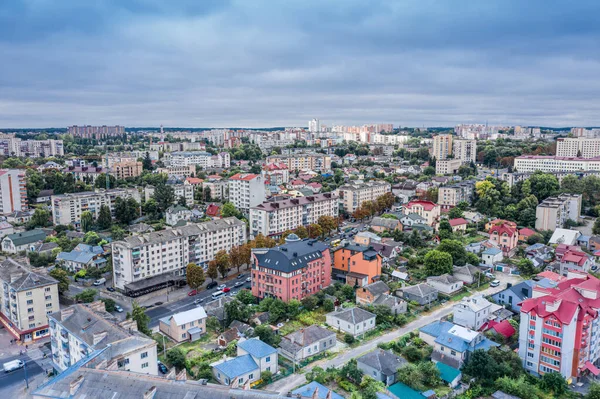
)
(421, 290)
(236, 367)
(21, 279)
(457, 222)
(377, 288)
(309, 335)
(244, 177)
(290, 256)
(256, 347)
(427, 205)
(352, 315)
(383, 361)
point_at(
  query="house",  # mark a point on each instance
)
(184, 326)
(564, 236)
(446, 283)
(45, 248)
(453, 344)
(314, 390)
(366, 238)
(503, 328)
(412, 219)
(513, 295)
(473, 217)
(388, 252)
(575, 260)
(6, 229)
(458, 225)
(594, 243)
(468, 274)
(354, 321)
(398, 275)
(177, 213)
(427, 209)
(584, 241)
(356, 262)
(19, 217)
(83, 256)
(422, 293)
(472, 312)
(498, 222)
(307, 342)
(505, 237)
(244, 329)
(227, 337)
(380, 364)
(491, 256)
(216, 308)
(44, 196)
(140, 228)
(213, 211)
(539, 251)
(381, 225)
(449, 375)
(24, 241)
(378, 293)
(526, 233)
(261, 318)
(253, 358)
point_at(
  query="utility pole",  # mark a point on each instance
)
(25, 370)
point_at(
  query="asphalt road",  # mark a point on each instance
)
(9, 382)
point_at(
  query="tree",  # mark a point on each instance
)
(301, 232)
(126, 209)
(237, 257)
(593, 392)
(555, 383)
(327, 223)
(266, 335)
(540, 184)
(86, 296)
(315, 231)
(482, 366)
(455, 213)
(195, 276)
(412, 353)
(147, 162)
(62, 277)
(223, 263)
(212, 271)
(310, 303)
(456, 249)
(176, 358)
(246, 297)
(117, 233)
(349, 339)
(138, 314)
(266, 376)
(596, 226)
(87, 220)
(328, 305)
(526, 267)
(236, 310)
(164, 195)
(277, 310)
(40, 218)
(445, 229)
(109, 304)
(229, 210)
(104, 217)
(91, 238)
(351, 372)
(437, 263)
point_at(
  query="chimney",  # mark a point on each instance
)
(113, 365)
(129, 324)
(66, 313)
(149, 394)
(15, 276)
(99, 336)
(75, 384)
(171, 374)
(315, 394)
(181, 376)
(97, 306)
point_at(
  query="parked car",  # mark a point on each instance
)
(489, 275)
(226, 289)
(193, 292)
(241, 275)
(118, 308)
(100, 281)
(111, 289)
(221, 286)
(249, 279)
(238, 284)
(495, 283)
(211, 285)
(162, 368)
(199, 300)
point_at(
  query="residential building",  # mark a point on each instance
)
(125, 170)
(307, 342)
(86, 174)
(179, 171)
(442, 146)
(203, 159)
(447, 166)
(472, 312)
(558, 328)
(491, 256)
(188, 325)
(356, 264)
(378, 293)
(294, 270)
(381, 365)
(581, 147)
(147, 262)
(246, 191)
(272, 218)
(96, 132)
(311, 389)
(10, 145)
(465, 150)
(352, 196)
(253, 358)
(564, 236)
(13, 191)
(381, 225)
(6, 229)
(513, 295)
(83, 256)
(553, 212)
(551, 163)
(423, 294)
(176, 213)
(575, 260)
(366, 238)
(353, 321)
(67, 208)
(458, 225)
(451, 196)
(80, 330)
(427, 209)
(468, 274)
(25, 241)
(276, 173)
(412, 219)
(311, 161)
(26, 299)
(505, 237)
(446, 283)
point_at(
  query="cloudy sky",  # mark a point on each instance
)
(259, 63)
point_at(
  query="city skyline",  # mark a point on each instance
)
(190, 64)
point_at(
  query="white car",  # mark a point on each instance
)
(220, 288)
(495, 283)
(118, 308)
(489, 275)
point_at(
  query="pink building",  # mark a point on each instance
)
(294, 270)
(505, 237)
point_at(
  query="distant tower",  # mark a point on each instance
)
(161, 130)
(314, 126)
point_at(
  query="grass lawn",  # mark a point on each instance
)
(305, 319)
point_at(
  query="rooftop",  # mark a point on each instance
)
(20, 278)
(384, 361)
(290, 256)
(352, 315)
(256, 347)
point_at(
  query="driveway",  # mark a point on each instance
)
(287, 384)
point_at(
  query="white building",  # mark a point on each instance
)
(271, 218)
(246, 191)
(472, 312)
(166, 253)
(550, 163)
(553, 212)
(581, 147)
(465, 150)
(67, 208)
(253, 358)
(13, 191)
(447, 166)
(314, 126)
(79, 330)
(203, 159)
(353, 195)
(176, 213)
(354, 321)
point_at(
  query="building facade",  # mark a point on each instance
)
(205, 160)
(297, 162)
(450, 196)
(442, 146)
(13, 191)
(553, 212)
(96, 132)
(426, 209)
(582, 147)
(465, 150)
(550, 163)
(447, 166)
(246, 191)
(124, 170)
(352, 196)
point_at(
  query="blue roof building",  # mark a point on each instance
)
(84, 256)
(308, 390)
(253, 358)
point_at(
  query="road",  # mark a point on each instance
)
(289, 383)
(12, 384)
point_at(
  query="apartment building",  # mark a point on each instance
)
(451, 196)
(426, 209)
(297, 162)
(26, 299)
(165, 146)
(179, 171)
(559, 326)
(10, 145)
(246, 191)
(83, 329)
(13, 191)
(67, 208)
(218, 189)
(146, 262)
(465, 150)
(203, 159)
(550, 163)
(179, 190)
(271, 218)
(553, 212)
(442, 146)
(447, 166)
(357, 265)
(294, 270)
(352, 196)
(581, 147)
(96, 132)
(276, 173)
(124, 170)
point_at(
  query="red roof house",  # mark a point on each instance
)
(458, 224)
(525, 233)
(503, 328)
(505, 236)
(213, 211)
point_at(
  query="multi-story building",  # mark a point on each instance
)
(67, 208)
(124, 170)
(506, 237)
(80, 330)
(472, 312)
(271, 218)
(13, 191)
(447, 166)
(559, 327)
(10, 145)
(96, 132)
(550, 163)
(276, 173)
(465, 150)
(581, 147)
(246, 191)
(142, 263)
(203, 159)
(513, 178)
(294, 270)
(179, 190)
(575, 260)
(86, 173)
(179, 171)
(442, 146)
(450, 196)
(427, 209)
(352, 196)
(26, 299)
(357, 265)
(217, 189)
(314, 126)
(297, 162)
(553, 212)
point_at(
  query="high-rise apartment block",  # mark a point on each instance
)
(27, 298)
(271, 218)
(553, 212)
(206, 160)
(246, 191)
(297, 162)
(124, 170)
(550, 163)
(450, 196)
(352, 196)
(10, 145)
(96, 132)
(67, 208)
(13, 190)
(442, 146)
(314, 126)
(580, 147)
(151, 261)
(465, 150)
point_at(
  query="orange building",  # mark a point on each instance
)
(356, 264)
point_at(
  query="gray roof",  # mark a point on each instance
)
(216, 308)
(352, 315)
(293, 202)
(384, 361)
(467, 270)
(377, 288)
(46, 246)
(290, 256)
(27, 237)
(387, 300)
(421, 290)
(21, 279)
(444, 279)
(385, 222)
(308, 336)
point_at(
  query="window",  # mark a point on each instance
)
(240, 381)
(183, 335)
(531, 345)
(530, 354)
(453, 353)
(28, 293)
(47, 289)
(144, 365)
(269, 368)
(31, 325)
(144, 355)
(30, 302)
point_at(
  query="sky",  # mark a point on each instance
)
(259, 63)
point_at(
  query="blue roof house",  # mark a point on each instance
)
(253, 358)
(82, 257)
(308, 390)
(513, 295)
(491, 256)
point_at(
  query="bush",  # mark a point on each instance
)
(176, 358)
(412, 353)
(109, 304)
(266, 376)
(86, 296)
(349, 339)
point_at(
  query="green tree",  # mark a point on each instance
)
(87, 220)
(138, 314)
(571, 184)
(483, 367)
(301, 232)
(445, 230)
(91, 238)
(328, 305)
(456, 249)
(40, 218)
(117, 233)
(437, 263)
(315, 231)
(596, 226)
(109, 304)
(176, 358)
(277, 311)
(412, 353)
(228, 210)
(212, 271)
(310, 303)
(455, 213)
(265, 334)
(526, 267)
(327, 223)
(349, 339)
(246, 297)
(62, 277)
(104, 217)
(223, 262)
(86, 296)
(266, 376)
(164, 197)
(540, 184)
(195, 276)
(593, 392)
(147, 162)
(236, 310)
(351, 372)
(555, 383)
